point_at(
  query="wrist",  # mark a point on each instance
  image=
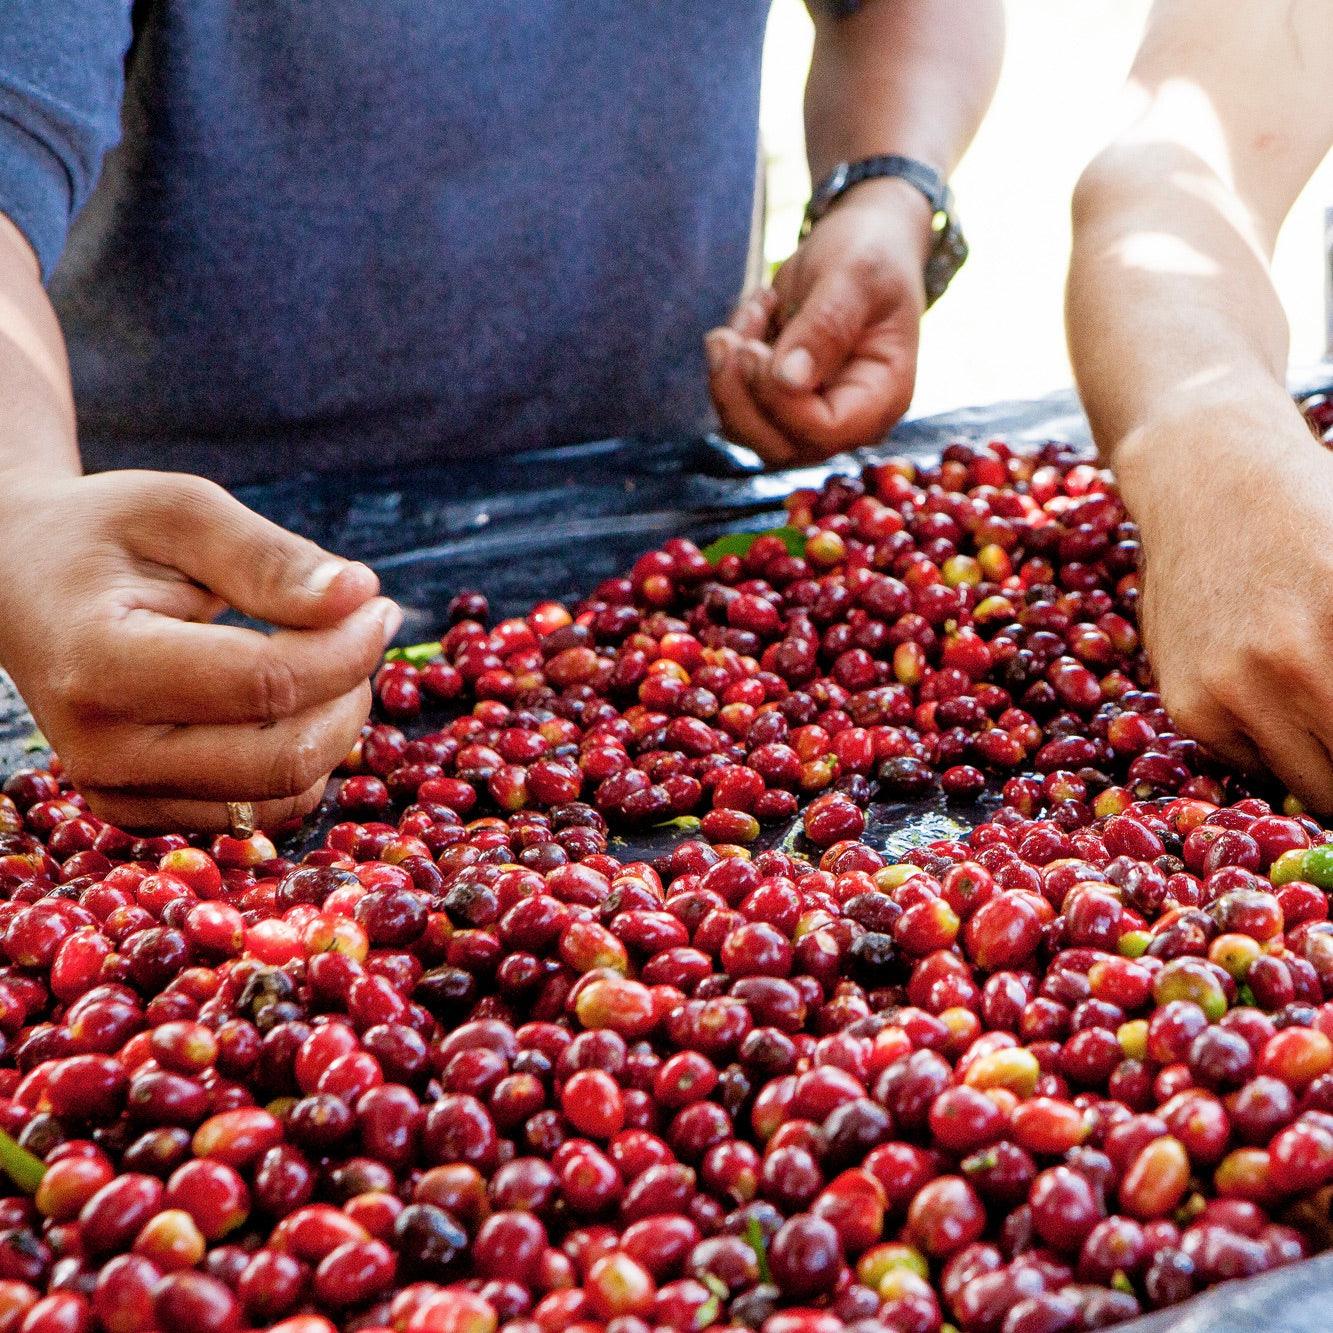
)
(52, 464)
(932, 234)
(1194, 437)
(27, 492)
(897, 203)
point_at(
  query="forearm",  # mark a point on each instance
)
(1179, 345)
(901, 76)
(1171, 312)
(37, 428)
(1172, 317)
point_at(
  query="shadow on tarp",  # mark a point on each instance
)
(554, 523)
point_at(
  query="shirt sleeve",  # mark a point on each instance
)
(62, 79)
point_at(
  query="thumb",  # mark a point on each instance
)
(255, 566)
(819, 337)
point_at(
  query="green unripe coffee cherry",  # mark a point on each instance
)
(1316, 866)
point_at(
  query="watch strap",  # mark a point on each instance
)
(950, 249)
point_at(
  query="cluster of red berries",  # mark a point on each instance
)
(465, 1068)
(939, 624)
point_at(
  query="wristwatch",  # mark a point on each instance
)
(950, 249)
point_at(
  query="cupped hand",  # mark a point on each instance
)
(1236, 519)
(825, 359)
(109, 586)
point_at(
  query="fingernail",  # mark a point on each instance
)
(797, 369)
(391, 616)
(715, 348)
(322, 576)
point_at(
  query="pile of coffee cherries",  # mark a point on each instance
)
(476, 1064)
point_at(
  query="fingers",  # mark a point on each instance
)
(756, 315)
(1257, 740)
(1234, 748)
(841, 371)
(860, 407)
(161, 670)
(1301, 762)
(262, 570)
(839, 374)
(741, 418)
(246, 762)
(820, 335)
(870, 395)
(133, 813)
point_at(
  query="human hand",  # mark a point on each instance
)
(825, 359)
(160, 717)
(1237, 607)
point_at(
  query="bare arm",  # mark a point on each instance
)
(37, 433)
(826, 359)
(1179, 346)
(1170, 299)
(901, 76)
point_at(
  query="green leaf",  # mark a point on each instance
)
(35, 741)
(25, 1170)
(754, 1237)
(685, 823)
(739, 543)
(418, 654)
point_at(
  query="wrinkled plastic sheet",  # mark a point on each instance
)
(554, 523)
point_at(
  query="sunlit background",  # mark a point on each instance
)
(998, 333)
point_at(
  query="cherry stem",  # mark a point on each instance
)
(754, 1235)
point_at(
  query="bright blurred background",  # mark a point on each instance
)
(998, 333)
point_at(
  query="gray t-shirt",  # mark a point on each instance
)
(337, 232)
